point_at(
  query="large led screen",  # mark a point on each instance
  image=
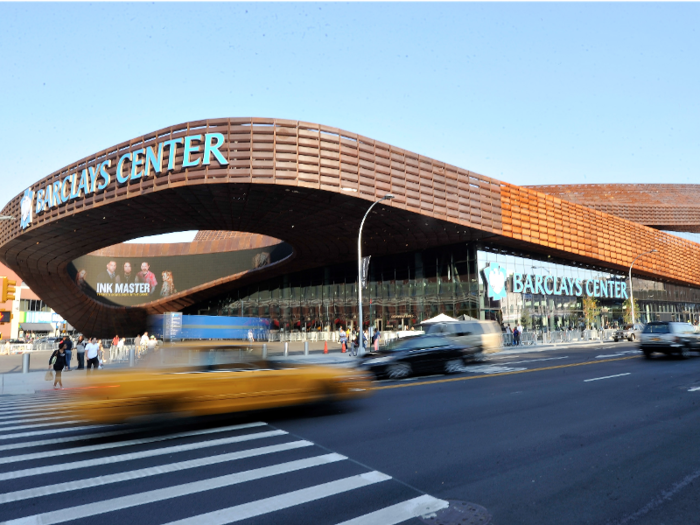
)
(129, 281)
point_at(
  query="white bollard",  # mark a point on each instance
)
(264, 351)
(306, 348)
(25, 363)
(286, 348)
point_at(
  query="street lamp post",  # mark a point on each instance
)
(361, 346)
(631, 294)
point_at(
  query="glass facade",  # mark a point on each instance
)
(405, 289)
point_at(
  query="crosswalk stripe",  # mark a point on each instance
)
(104, 446)
(22, 417)
(283, 501)
(16, 410)
(51, 431)
(5, 476)
(145, 472)
(40, 425)
(133, 500)
(65, 439)
(400, 512)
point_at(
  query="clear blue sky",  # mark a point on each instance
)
(525, 93)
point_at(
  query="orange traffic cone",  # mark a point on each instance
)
(325, 347)
(342, 351)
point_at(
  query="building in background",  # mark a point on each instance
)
(278, 204)
(31, 317)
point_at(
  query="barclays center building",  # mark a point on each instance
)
(278, 205)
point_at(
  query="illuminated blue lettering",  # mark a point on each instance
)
(589, 288)
(137, 161)
(548, 291)
(210, 148)
(120, 167)
(73, 180)
(538, 284)
(64, 186)
(84, 185)
(39, 201)
(517, 282)
(579, 289)
(94, 172)
(623, 290)
(56, 194)
(189, 149)
(153, 160)
(528, 284)
(104, 174)
(172, 152)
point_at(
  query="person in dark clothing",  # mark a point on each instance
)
(69, 351)
(80, 350)
(58, 361)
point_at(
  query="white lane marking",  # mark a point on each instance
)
(145, 472)
(534, 360)
(135, 455)
(15, 411)
(694, 389)
(491, 369)
(51, 431)
(142, 441)
(606, 377)
(618, 354)
(283, 501)
(134, 500)
(400, 512)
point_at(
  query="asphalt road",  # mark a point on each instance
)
(589, 435)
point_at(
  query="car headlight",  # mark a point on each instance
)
(378, 360)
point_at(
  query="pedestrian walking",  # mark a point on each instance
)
(58, 362)
(343, 338)
(115, 341)
(80, 352)
(91, 351)
(250, 337)
(144, 341)
(69, 351)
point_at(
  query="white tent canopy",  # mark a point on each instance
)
(442, 318)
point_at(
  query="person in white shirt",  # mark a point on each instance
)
(144, 341)
(91, 351)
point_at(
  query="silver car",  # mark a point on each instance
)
(669, 338)
(631, 332)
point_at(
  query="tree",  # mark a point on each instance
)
(526, 317)
(627, 310)
(590, 310)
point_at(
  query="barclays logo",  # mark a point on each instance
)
(25, 206)
(496, 278)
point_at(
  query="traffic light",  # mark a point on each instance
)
(5, 317)
(8, 290)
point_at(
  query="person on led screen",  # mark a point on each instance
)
(80, 279)
(127, 276)
(110, 273)
(168, 287)
(146, 276)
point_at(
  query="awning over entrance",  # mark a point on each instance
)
(442, 318)
(36, 327)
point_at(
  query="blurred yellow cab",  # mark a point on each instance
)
(127, 395)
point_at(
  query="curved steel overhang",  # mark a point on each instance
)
(308, 185)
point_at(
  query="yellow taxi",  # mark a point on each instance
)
(127, 395)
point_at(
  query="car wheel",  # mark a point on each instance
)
(615, 339)
(398, 370)
(454, 366)
(647, 354)
(685, 353)
(632, 338)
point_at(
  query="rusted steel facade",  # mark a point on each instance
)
(672, 207)
(308, 185)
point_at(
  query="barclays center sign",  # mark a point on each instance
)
(197, 150)
(496, 278)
